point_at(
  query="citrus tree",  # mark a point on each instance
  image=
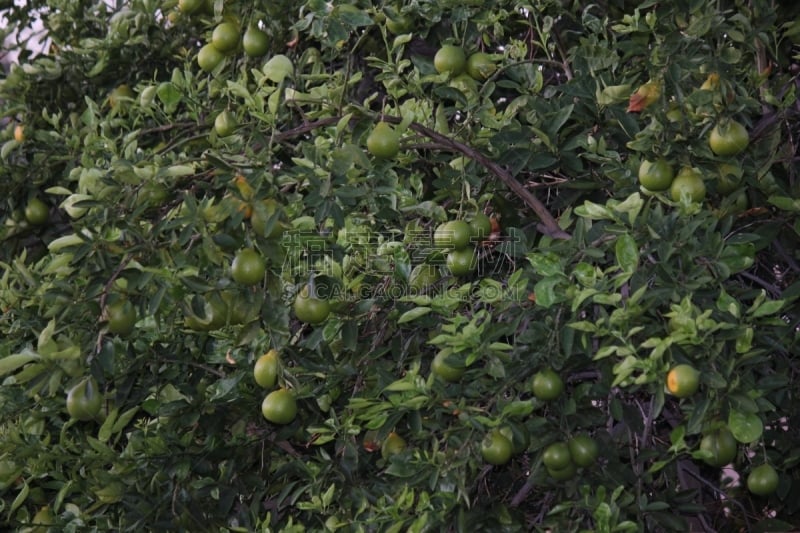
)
(400, 266)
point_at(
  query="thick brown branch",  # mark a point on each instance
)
(548, 225)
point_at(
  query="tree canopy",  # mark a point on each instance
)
(400, 266)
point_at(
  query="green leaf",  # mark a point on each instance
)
(773, 525)
(627, 253)
(353, 17)
(631, 206)
(413, 314)
(169, 95)
(224, 387)
(770, 307)
(545, 291)
(20, 499)
(744, 341)
(728, 304)
(12, 362)
(545, 264)
(677, 439)
(583, 325)
(594, 211)
(500, 346)
(657, 466)
(738, 257)
(785, 203)
(106, 430)
(401, 385)
(46, 335)
(277, 68)
(518, 408)
(746, 427)
(124, 419)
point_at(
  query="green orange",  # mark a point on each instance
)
(209, 57)
(762, 480)
(444, 369)
(683, 380)
(36, 212)
(279, 407)
(225, 123)
(452, 234)
(392, 445)
(266, 369)
(656, 175)
(480, 66)
(557, 456)
(496, 449)
(450, 58)
(121, 316)
(480, 226)
(225, 36)
(583, 450)
(690, 182)
(84, 400)
(721, 445)
(462, 262)
(728, 138)
(248, 267)
(547, 385)
(383, 141)
(310, 309)
(255, 42)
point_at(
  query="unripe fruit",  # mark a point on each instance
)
(248, 267)
(36, 212)
(547, 385)
(683, 380)
(688, 181)
(84, 400)
(255, 42)
(763, 480)
(279, 407)
(209, 57)
(225, 123)
(383, 141)
(266, 369)
(392, 445)
(450, 58)
(728, 138)
(225, 36)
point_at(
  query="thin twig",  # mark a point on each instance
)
(523, 492)
(772, 289)
(196, 365)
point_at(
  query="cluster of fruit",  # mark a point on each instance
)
(452, 59)
(226, 39)
(384, 141)
(279, 406)
(459, 239)
(562, 458)
(501, 443)
(683, 380)
(727, 138)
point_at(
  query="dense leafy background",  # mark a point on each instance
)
(147, 203)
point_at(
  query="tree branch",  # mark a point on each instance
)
(548, 225)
